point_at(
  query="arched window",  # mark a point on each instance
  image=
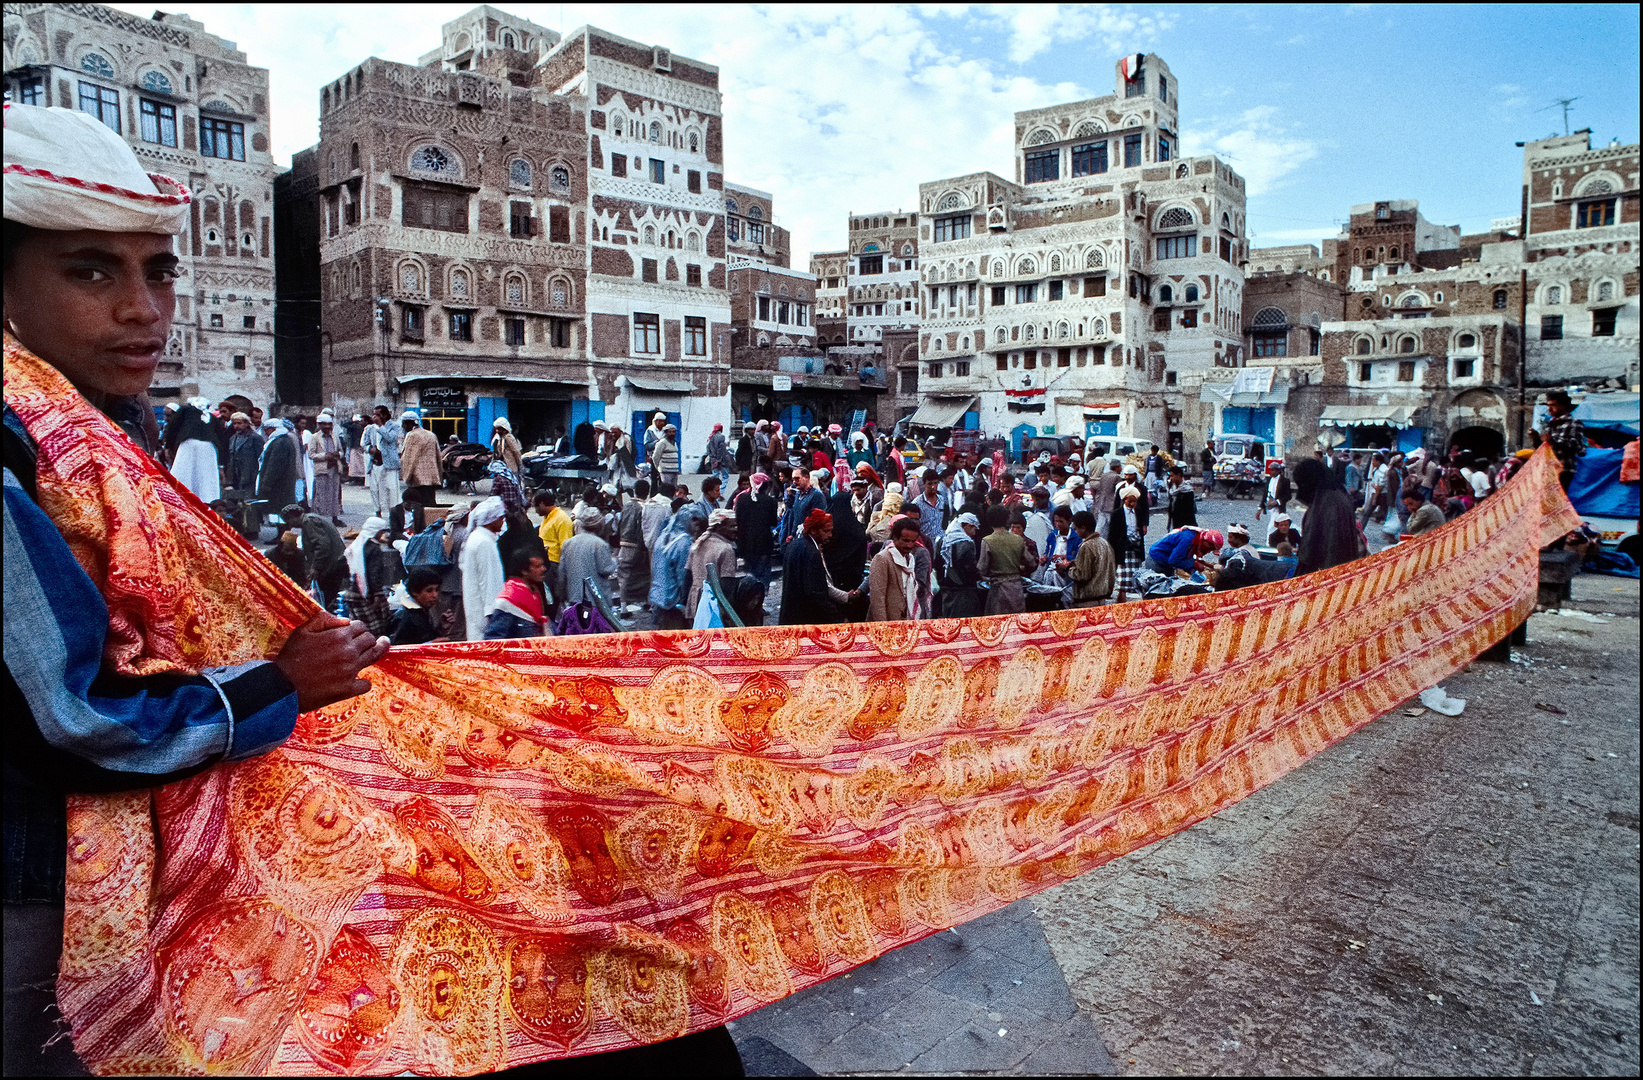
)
(1554, 295)
(693, 242)
(1500, 299)
(97, 64)
(618, 124)
(1270, 317)
(906, 251)
(1414, 300)
(754, 213)
(950, 201)
(1176, 218)
(1466, 341)
(655, 131)
(559, 292)
(431, 159)
(354, 279)
(695, 142)
(1406, 344)
(1040, 137)
(1181, 171)
(1088, 129)
(730, 206)
(559, 178)
(519, 173)
(1605, 290)
(1369, 256)
(1055, 264)
(1098, 327)
(1029, 332)
(1093, 259)
(1364, 345)
(514, 289)
(410, 278)
(1063, 331)
(1192, 294)
(1392, 253)
(1166, 295)
(1000, 336)
(1026, 266)
(507, 41)
(353, 157)
(156, 81)
(459, 284)
(650, 234)
(1226, 222)
(964, 342)
(998, 268)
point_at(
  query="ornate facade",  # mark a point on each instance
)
(1094, 292)
(193, 109)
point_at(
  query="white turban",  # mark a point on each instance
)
(488, 511)
(64, 170)
(1127, 491)
(502, 422)
(411, 415)
(821, 476)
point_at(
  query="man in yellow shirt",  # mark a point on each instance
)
(555, 529)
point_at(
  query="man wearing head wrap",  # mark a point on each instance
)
(325, 454)
(862, 500)
(1283, 531)
(1182, 551)
(809, 596)
(1329, 531)
(717, 548)
(324, 553)
(89, 278)
(190, 443)
(669, 564)
(632, 553)
(719, 457)
(586, 559)
(520, 610)
(244, 451)
(665, 457)
(505, 447)
(653, 435)
(757, 514)
(419, 456)
(960, 579)
(1127, 535)
(374, 568)
(1237, 537)
(279, 464)
(481, 562)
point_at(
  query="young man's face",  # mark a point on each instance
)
(97, 306)
(427, 596)
(906, 541)
(535, 570)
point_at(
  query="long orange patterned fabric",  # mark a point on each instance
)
(513, 851)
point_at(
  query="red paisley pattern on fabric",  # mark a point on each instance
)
(514, 851)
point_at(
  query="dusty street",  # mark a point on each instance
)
(1441, 895)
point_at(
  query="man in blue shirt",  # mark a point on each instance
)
(89, 278)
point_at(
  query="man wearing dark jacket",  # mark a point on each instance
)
(756, 515)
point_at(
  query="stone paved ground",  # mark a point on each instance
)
(1397, 905)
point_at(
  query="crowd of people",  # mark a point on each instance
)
(857, 533)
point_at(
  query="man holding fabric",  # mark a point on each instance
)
(103, 691)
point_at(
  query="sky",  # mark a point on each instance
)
(846, 109)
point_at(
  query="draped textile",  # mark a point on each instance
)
(515, 850)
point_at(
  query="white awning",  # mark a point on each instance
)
(1223, 394)
(1367, 415)
(942, 412)
(661, 386)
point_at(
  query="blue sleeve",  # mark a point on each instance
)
(1175, 549)
(54, 637)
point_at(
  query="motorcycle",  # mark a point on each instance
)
(464, 464)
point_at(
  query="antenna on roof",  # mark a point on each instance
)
(1563, 103)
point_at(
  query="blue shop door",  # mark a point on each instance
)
(1411, 438)
(585, 411)
(641, 420)
(1235, 420)
(794, 417)
(1263, 423)
(483, 415)
(1018, 436)
(972, 421)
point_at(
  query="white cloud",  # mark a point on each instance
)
(1259, 148)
